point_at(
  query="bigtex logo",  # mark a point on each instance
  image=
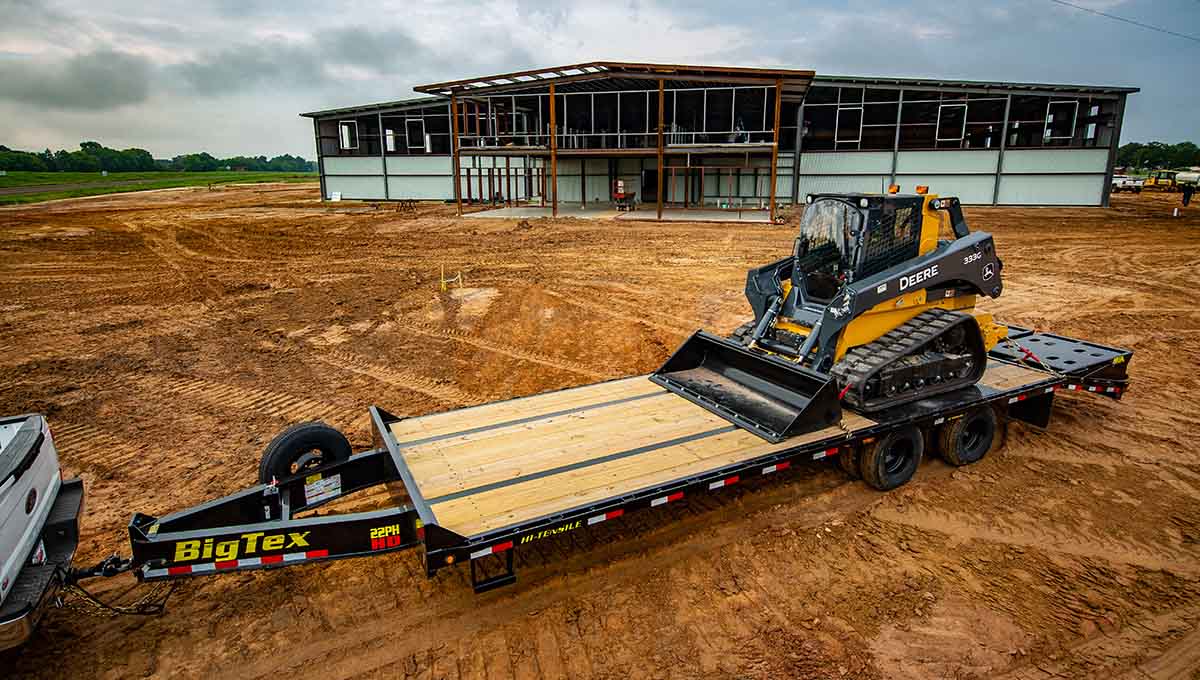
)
(551, 532)
(246, 544)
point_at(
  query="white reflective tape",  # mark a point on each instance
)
(769, 469)
(199, 568)
(481, 553)
(939, 421)
(658, 501)
(1048, 390)
(249, 562)
(716, 485)
(154, 573)
(1013, 400)
(1091, 389)
(596, 520)
(294, 557)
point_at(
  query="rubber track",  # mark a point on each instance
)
(909, 338)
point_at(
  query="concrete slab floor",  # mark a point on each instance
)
(596, 212)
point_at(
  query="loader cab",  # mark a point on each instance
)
(848, 237)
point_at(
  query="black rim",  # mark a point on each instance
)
(974, 435)
(898, 455)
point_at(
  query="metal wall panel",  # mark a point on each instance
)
(970, 189)
(420, 165)
(815, 184)
(366, 188)
(1051, 189)
(1056, 160)
(947, 162)
(421, 188)
(849, 163)
(353, 165)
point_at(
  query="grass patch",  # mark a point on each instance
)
(93, 184)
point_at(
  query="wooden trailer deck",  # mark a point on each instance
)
(493, 466)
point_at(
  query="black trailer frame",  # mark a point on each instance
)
(258, 528)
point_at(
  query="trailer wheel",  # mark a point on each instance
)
(300, 448)
(968, 439)
(891, 460)
(848, 462)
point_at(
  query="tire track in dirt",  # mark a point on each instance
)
(1076, 541)
(617, 311)
(238, 398)
(90, 448)
(407, 380)
(521, 354)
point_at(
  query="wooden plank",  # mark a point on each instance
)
(498, 455)
(437, 424)
(528, 500)
(1002, 376)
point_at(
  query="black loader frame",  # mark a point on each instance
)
(258, 528)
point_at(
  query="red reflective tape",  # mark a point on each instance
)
(176, 571)
(314, 554)
(732, 480)
(675, 496)
(272, 559)
(831, 452)
(421, 533)
(501, 547)
(227, 564)
(784, 465)
(614, 514)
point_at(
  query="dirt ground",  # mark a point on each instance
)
(168, 336)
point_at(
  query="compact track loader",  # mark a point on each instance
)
(872, 309)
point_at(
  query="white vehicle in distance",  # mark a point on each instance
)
(1126, 183)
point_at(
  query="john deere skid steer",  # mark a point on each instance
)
(872, 309)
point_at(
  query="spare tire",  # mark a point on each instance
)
(300, 448)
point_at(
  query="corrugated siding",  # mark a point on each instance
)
(365, 188)
(946, 162)
(816, 184)
(850, 163)
(971, 189)
(1056, 160)
(1051, 189)
(353, 165)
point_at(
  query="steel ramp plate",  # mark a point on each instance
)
(769, 397)
(1067, 356)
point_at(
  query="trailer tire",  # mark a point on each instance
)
(968, 439)
(848, 461)
(302, 447)
(892, 460)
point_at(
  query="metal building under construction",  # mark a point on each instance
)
(711, 142)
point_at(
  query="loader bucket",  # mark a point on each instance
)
(773, 398)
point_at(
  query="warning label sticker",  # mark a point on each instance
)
(317, 489)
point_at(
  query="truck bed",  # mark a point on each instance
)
(494, 466)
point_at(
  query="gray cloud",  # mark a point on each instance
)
(98, 80)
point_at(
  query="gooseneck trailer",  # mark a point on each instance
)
(479, 483)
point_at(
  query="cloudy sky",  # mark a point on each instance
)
(230, 76)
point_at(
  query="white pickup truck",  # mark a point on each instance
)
(1126, 183)
(39, 525)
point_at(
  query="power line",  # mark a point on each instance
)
(1128, 21)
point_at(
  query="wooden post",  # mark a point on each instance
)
(457, 160)
(775, 146)
(553, 156)
(659, 178)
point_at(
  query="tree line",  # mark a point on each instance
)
(1155, 155)
(94, 157)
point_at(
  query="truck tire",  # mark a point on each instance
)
(302, 447)
(891, 460)
(969, 438)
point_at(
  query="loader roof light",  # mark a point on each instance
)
(922, 189)
(893, 188)
(808, 198)
(862, 202)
